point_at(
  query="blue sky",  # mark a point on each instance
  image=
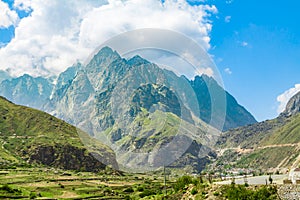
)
(255, 44)
(260, 44)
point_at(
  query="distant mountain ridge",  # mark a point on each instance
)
(27, 90)
(4, 76)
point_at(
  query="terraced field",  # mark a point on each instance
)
(45, 183)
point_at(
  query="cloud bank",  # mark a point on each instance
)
(7, 17)
(59, 33)
(286, 96)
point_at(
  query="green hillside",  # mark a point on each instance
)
(289, 133)
(152, 132)
(269, 144)
(32, 136)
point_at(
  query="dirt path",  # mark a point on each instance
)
(68, 194)
(243, 150)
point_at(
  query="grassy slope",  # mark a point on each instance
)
(23, 130)
(151, 131)
(273, 142)
(289, 133)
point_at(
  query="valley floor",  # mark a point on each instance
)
(49, 183)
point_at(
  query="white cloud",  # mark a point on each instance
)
(244, 44)
(22, 5)
(7, 17)
(228, 71)
(227, 19)
(196, 1)
(286, 96)
(57, 33)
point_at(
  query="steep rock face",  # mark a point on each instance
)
(293, 106)
(236, 115)
(105, 68)
(196, 158)
(63, 82)
(27, 90)
(67, 76)
(149, 96)
(66, 157)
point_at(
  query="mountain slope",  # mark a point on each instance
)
(36, 137)
(269, 144)
(236, 115)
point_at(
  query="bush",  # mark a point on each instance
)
(107, 190)
(194, 191)
(147, 193)
(266, 193)
(8, 189)
(128, 190)
(127, 197)
(216, 194)
(140, 189)
(182, 182)
(234, 192)
(32, 195)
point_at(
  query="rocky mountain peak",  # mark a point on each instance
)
(137, 60)
(104, 57)
(293, 106)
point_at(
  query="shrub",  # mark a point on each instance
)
(234, 192)
(147, 193)
(182, 182)
(129, 190)
(127, 197)
(194, 191)
(216, 194)
(140, 189)
(32, 195)
(8, 189)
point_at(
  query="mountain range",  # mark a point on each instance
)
(140, 110)
(104, 71)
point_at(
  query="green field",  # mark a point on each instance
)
(46, 183)
(49, 183)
